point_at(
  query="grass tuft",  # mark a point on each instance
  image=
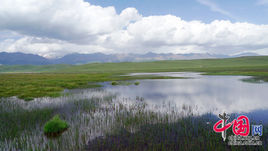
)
(137, 83)
(55, 126)
(114, 83)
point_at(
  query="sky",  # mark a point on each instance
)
(54, 28)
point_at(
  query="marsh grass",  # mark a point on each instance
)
(185, 134)
(30, 86)
(253, 80)
(137, 83)
(114, 83)
(126, 83)
(88, 116)
(83, 116)
(55, 126)
(15, 120)
(99, 120)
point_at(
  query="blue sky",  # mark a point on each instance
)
(242, 10)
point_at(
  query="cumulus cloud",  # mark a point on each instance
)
(49, 48)
(72, 20)
(54, 28)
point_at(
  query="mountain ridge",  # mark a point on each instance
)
(18, 58)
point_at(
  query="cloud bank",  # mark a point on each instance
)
(53, 28)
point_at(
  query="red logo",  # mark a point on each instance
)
(240, 125)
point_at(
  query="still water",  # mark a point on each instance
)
(205, 94)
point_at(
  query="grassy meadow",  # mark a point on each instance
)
(103, 121)
(28, 82)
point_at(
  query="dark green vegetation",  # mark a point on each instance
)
(15, 119)
(137, 83)
(22, 124)
(190, 133)
(121, 126)
(12, 124)
(129, 82)
(28, 82)
(114, 83)
(55, 126)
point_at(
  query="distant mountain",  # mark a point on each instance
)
(76, 58)
(22, 59)
(170, 56)
(245, 54)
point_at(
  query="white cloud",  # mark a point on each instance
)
(72, 20)
(49, 48)
(54, 28)
(214, 7)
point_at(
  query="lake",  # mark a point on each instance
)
(204, 93)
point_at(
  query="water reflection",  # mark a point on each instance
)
(215, 94)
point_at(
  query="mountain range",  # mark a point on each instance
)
(19, 58)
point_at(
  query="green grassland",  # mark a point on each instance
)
(28, 82)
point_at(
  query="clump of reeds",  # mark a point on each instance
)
(137, 83)
(114, 83)
(55, 126)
